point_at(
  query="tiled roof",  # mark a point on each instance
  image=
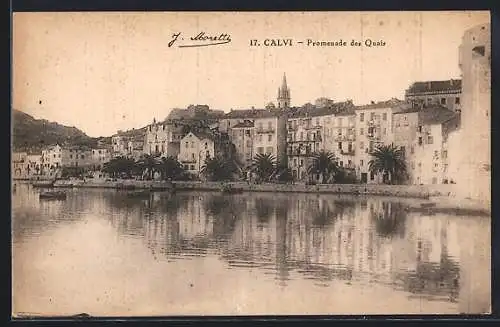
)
(435, 86)
(251, 114)
(435, 114)
(194, 112)
(245, 124)
(392, 103)
(309, 110)
(406, 108)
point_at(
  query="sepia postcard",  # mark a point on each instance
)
(251, 163)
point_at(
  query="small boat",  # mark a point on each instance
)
(139, 194)
(43, 183)
(53, 195)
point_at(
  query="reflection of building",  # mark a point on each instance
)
(444, 93)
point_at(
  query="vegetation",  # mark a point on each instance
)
(218, 169)
(120, 166)
(325, 164)
(263, 166)
(390, 161)
(170, 168)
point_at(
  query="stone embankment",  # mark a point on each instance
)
(433, 198)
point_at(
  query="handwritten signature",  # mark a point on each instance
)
(200, 40)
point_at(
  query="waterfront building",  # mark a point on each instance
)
(135, 148)
(19, 160)
(373, 128)
(423, 134)
(195, 148)
(119, 144)
(270, 135)
(76, 156)
(51, 158)
(340, 135)
(445, 93)
(99, 157)
(242, 136)
(34, 163)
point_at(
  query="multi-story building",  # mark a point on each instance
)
(119, 144)
(341, 140)
(445, 93)
(156, 140)
(270, 135)
(76, 156)
(242, 136)
(373, 128)
(19, 160)
(474, 156)
(34, 163)
(52, 158)
(99, 157)
(135, 148)
(427, 158)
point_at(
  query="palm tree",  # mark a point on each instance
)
(170, 168)
(217, 169)
(148, 163)
(390, 161)
(263, 165)
(324, 163)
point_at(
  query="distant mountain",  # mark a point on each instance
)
(29, 133)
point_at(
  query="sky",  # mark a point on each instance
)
(103, 72)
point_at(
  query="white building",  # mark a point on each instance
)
(195, 149)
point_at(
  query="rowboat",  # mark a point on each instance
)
(53, 195)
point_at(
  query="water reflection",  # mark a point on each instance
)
(288, 238)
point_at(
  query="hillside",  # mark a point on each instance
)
(31, 133)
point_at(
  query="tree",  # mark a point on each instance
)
(170, 168)
(217, 169)
(390, 161)
(324, 163)
(118, 166)
(148, 163)
(263, 165)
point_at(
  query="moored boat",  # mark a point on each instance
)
(53, 195)
(43, 183)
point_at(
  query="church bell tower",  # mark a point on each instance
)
(283, 95)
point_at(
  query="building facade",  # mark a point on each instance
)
(242, 136)
(194, 150)
(373, 128)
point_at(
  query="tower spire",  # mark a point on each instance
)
(283, 94)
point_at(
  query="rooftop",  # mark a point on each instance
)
(452, 85)
(392, 103)
(251, 113)
(435, 114)
(340, 108)
(194, 112)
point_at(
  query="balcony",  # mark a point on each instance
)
(265, 130)
(348, 137)
(187, 161)
(300, 152)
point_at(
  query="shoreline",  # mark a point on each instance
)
(433, 198)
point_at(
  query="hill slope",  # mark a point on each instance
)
(31, 133)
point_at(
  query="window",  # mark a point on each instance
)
(260, 150)
(412, 165)
(301, 136)
(349, 147)
(361, 163)
(270, 137)
(82, 156)
(430, 139)
(340, 145)
(192, 156)
(361, 131)
(191, 167)
(429, 100)
(457, 100)
(71, 156)
(385, 131)
(412, 149)
(372, 175)
(260, 137)
(420, 140)
(436, 154)
(384, 116)
(362, 117)
(301, 162)
(419, 129)
(269, 150)
(445, 154)
(361, 145)
(341, 164)
(295, 162)
(349, 163)
(403, 150)
(372, 115)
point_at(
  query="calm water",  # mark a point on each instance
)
(102, 253)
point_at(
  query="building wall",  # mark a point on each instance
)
(266, 136)
(76, 157)
(340, 138)
(404, 129)
(242, 139)
(381, 120)
(194, 151)
(427, 164)
(474, 179)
